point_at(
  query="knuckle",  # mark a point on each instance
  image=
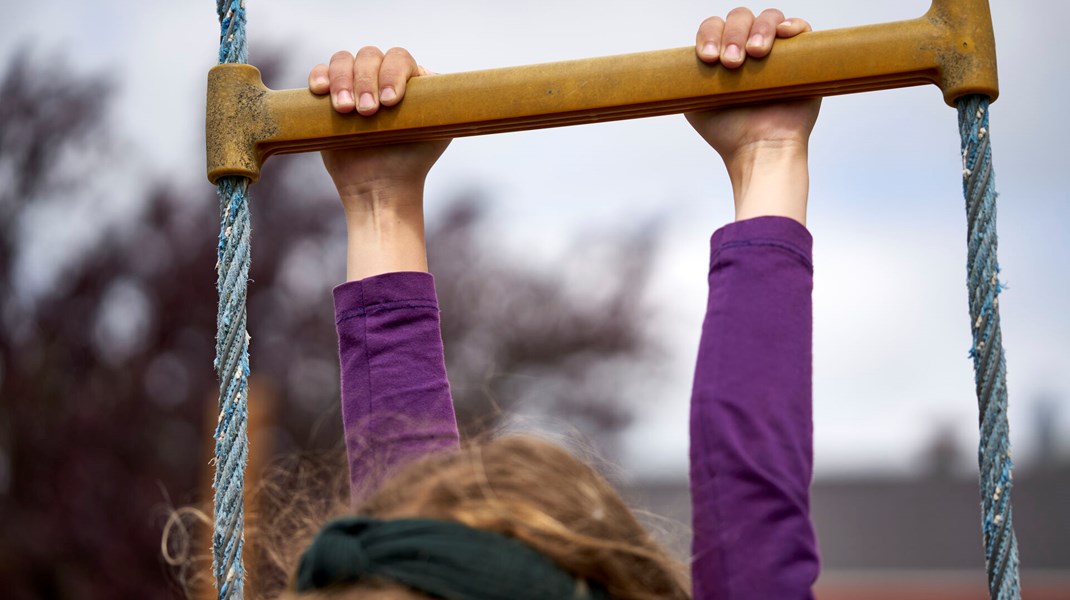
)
(764, 27)
(369, 52)
(711, 22)
(341, 55)
(740, 11)
(398, 52)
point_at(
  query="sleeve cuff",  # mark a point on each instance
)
(783, 232)
(410, 289)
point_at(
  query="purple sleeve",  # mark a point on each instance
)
(751, 424)
(396, 403)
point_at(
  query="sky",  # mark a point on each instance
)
(891, 321)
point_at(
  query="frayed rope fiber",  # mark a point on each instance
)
(990, 369)
(232, 346)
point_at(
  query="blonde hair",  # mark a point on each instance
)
(520, 486)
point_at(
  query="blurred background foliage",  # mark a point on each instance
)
(105, 368)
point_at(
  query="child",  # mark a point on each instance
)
(521, 518)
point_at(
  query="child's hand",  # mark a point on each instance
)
(368, 82)
(382, 188)
(730, 41)
(772, 138)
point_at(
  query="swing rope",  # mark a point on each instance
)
(232, 345)
(990, 369)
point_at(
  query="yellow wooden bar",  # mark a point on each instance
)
(952, 46)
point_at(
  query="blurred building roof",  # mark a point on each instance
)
(924, 530)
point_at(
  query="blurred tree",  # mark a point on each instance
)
(105, 376)
(521, 341)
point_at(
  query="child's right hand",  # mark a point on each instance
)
(365, 83)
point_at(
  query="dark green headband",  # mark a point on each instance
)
(445, 559)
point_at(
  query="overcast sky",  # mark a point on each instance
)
(891, 324)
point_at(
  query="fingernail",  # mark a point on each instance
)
(710, 50)
(387, 94)
(732, 53)
(345, 98)
(321, 82)
(755, 41)
(366, 100)
(786, 23)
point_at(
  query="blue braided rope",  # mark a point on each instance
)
(232, 346)
(990, 369)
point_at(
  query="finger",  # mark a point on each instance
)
(736, 31)
(763, 32)
(318, 81)
(792, 27)
(366, 79)
(708, 39)
(340, 74)
(398, 67)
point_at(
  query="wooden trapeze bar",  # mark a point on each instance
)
(952, 45)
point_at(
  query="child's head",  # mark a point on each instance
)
(535, 492)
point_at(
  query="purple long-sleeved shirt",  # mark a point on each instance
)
(751, 426)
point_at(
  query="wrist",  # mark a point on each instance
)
(385, 225)
(373, 197)
(770, 179)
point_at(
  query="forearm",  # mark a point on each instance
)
(396, 403)
(751, 425)
(385, 224)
